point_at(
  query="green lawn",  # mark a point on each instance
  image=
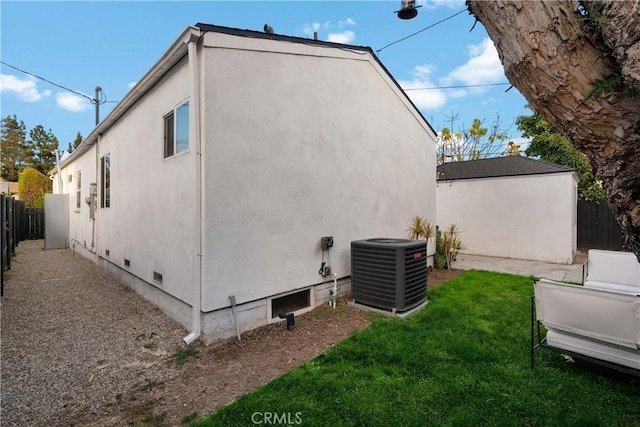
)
(462, 361)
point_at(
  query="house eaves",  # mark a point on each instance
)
(178, 50)
(174, 54)
(496, 168)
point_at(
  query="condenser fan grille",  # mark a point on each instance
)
(389, 273)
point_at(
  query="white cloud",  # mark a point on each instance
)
(348, 21)
(424, 99)
(344, 37)
(26, 88)
(336, 33)
(131, 84)
(482, 67)
(309, 29)
(71, 102)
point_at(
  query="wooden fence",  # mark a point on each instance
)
(597, 228)
(17, 223)
(34, 223)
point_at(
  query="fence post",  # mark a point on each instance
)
(2, 243)
(15, 224)
(7, 230)
(23, 220)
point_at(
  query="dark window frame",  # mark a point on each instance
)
(176, 130)
(105, 186)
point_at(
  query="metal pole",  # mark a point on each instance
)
(97, 102)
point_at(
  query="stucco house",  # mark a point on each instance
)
(217, 175)
(513, 207)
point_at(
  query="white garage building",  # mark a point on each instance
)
(514, 207)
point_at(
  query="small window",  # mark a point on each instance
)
(127, 263)
(105, 173)
(176, 131)
(70, 178)
(106, 252)
(78, 190)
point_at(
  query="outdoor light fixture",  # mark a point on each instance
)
(407, 9)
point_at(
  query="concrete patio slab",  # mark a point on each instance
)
(547, 270)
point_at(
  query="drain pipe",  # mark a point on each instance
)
(94, 204)
(194, 135)
(333, 297)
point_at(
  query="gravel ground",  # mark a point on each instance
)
(73, 349)
(73, 340)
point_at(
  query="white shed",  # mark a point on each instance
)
(513, 207)
(218, 174)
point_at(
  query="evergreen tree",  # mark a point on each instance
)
(76, 142)
(12, 139)
(42, 150)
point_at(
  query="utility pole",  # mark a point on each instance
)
(59, 173)
(96, 100)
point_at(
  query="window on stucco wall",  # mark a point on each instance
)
(176, 130)
(78, 190)
(105, 174)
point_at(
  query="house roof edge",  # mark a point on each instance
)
(176, 51)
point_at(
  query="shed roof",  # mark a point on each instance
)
(497, 167)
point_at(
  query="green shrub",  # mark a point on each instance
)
(32, 186)
(440, 261)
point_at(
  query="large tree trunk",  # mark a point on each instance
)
(553, 54)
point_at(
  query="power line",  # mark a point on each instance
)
(457, 87)
(92, 100)
(418, 32)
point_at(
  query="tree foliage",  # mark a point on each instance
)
(41, 152)
(476, 142)
(32, 186)
(18, 152)
(76, 142)
(550, 146)
(12, 140)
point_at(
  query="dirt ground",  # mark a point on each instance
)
(219, 374)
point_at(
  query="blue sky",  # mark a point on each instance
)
(112, 44)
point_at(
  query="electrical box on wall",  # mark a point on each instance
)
(326, 243)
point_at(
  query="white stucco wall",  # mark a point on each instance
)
(298, 141)
(152, 198)
(526, 217)
(303, 142)
(150, 221)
